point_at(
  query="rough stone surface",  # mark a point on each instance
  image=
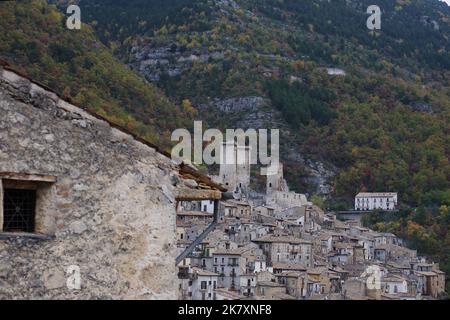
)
(54, 279)
(191, 183)
(111, 211)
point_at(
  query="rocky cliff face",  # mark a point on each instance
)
(153, 62)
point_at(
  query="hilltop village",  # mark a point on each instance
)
(278, 245)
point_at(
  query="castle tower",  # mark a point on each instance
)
(243, 166)
(234, 166)
(227, 173)
(275, 181)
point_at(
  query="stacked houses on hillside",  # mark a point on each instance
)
(287, 248)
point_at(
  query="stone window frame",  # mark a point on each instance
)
(44, 186)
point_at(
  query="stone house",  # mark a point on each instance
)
(243, 232)
(295, 282)
(229, 265)
(90, 207)
(232, 264)
(431, 283)
(264, 210)
(286, 249)
(269, 289)
(287, 267)
(356, 289)
(344, 252)
(394, 284)
(227, 210)
(190, 217)
(326, 243)
(188, 232)
(386, 238)
(393, 253)
(197, 284)
(242, 209)
(369, 245)
(204, 206)
(204, 285)
(247, 285)
(286, 199)
(318, 282)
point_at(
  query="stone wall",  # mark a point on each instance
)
(111, 211)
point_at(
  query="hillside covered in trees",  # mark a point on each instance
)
(35, 40)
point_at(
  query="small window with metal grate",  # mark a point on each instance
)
(19, 210)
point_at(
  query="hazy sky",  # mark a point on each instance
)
(448, 1)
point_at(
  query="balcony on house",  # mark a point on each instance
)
(233, 262)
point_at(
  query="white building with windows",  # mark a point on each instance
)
(207, 206)
(203, 286)
(365, 201)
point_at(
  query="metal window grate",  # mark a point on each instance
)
(19, 208)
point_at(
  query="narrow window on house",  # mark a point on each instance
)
(24, 199)
(19, 210)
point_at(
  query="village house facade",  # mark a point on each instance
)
(365, 201)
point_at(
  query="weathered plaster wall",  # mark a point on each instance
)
(111, 211)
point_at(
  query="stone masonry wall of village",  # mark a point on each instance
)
(111, 210)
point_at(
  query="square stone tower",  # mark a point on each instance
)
(243, 166)
(235, 163)
(275, 181)
(227, 173)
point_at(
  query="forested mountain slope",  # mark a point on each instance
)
(34, 39)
